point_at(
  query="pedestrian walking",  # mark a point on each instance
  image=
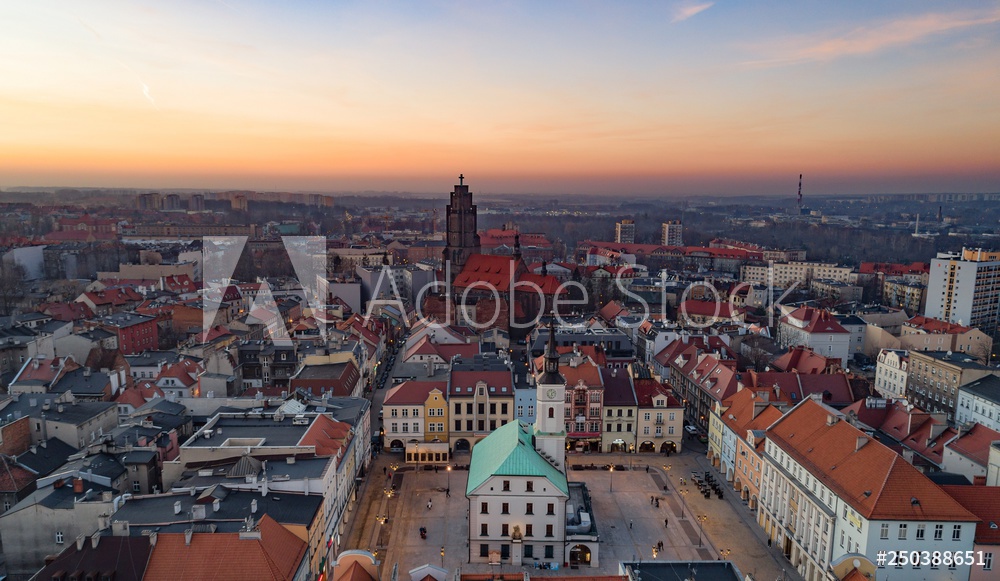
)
(384, 469)
(447, 493)
(647, 468)
(429, 504)
(666, 522)
(657, 503)
(629, 525)
(651, 499)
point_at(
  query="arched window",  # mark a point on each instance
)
(552, 412)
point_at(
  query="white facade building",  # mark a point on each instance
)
(979, 403)
(964, 288)
(830, 491)
(891, 373)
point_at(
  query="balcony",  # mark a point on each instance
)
(659, 421)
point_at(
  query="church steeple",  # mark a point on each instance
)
(551, 373)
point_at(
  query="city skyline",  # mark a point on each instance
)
(682, 98)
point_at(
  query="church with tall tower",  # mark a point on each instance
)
(461, 220)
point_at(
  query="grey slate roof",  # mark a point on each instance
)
(156, 510)
(987, 388)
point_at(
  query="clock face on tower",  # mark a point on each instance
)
(551, 393)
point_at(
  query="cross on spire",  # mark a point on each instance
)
(461, 178)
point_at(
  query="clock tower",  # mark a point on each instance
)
(550, 396)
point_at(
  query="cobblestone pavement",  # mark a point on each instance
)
(628, 523)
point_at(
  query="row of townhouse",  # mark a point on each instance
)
(831, 494)
(606, 409)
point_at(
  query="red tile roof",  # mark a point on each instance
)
(487, 271)
(873, 479)
(975, 444)
(984, 502)
(816, 320)
(935, 326)
(276, 555)
(13, 478)
(708, 309)
(329, 436)
(805, 360)
(465, 379)
(413, 392)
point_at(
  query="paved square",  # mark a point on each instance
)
(628, 523)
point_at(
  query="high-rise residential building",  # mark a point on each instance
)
(463, 238)
(672, 234)
(964, 288)
(625, 232)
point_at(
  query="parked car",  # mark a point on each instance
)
(691, 429)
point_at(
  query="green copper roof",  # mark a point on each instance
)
(508, 452)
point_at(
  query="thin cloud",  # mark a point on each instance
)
(689, 9)
(872, 39)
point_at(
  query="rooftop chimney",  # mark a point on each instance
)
(215, 505)
(177, 507)
(80, 539)
(95, 539)
(253, 506)
(152, 539)
(188, 533)
(78, 486)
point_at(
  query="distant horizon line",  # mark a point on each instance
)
(418, 194)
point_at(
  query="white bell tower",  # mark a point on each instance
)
(550, 396)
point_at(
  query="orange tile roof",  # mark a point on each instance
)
(356, 573)
(328, 436)
(984, 502)
(413, 392)
(805, 360)
(874, 480)
(936, 326)
(487, 271)
(816, 320)
(276, 555)
(975, 444)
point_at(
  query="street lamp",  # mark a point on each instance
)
(684, 494)
(612, 488)
(448, 470)
(701, 527)
(724, 554)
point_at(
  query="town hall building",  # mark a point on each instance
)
(522, 508)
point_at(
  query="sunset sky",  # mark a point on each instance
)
(630, 98)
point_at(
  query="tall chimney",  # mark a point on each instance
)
(78, 486)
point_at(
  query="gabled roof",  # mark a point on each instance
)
(975, 444)
(875, 481)
(480, 269)
(647, 389)
(984, 502)
(13, 478)
(935, 326)
(413, 392)
(119, 558)
(618, 389)
(814, 321)
(508, 451)
(805, 360)
(329, 436)
(722, 310)
(276, 554)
